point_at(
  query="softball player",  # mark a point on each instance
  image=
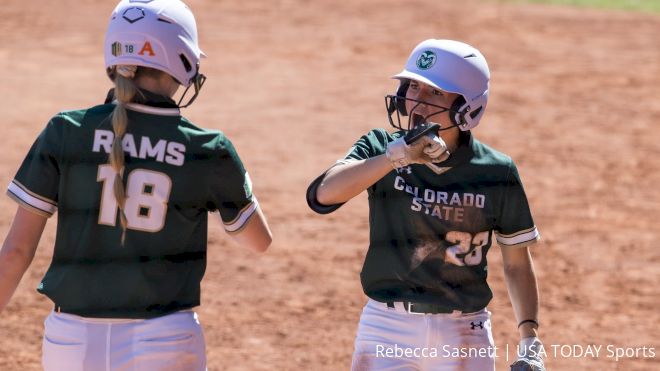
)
(133, 182)
(436, 202)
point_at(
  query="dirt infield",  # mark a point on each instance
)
(575, 97)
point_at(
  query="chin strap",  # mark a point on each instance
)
(198, 82)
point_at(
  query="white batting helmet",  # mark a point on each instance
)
(160, 34)
(454, 67)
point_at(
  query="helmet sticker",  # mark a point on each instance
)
(133, 15)
(426, 60)
(116, 48)
(148, 49)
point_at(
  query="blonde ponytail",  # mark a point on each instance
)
(125, 91)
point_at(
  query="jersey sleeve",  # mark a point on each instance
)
(231, 188)
(369, 145)
(515, 225)
(35, 186)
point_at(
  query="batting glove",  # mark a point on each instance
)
(437, 150)
(529, 355)
(429, 148)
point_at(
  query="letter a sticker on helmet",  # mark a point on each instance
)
(147, 48)
(426, 60)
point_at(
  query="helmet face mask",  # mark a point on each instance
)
(450, 66)
(396, 105)
(198, 82)
(159, 34)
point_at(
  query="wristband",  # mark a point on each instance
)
(529, 321)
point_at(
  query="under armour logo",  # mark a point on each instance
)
(475, 325)
(132, 15)
(407, 169)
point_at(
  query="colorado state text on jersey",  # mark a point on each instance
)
(440, 204)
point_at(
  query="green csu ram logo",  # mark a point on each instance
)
(426, 60)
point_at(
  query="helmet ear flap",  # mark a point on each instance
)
(458, 111)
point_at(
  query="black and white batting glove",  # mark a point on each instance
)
(437, 150)
(529, 355)
(429, 148)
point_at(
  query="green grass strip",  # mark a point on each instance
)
(648, 6)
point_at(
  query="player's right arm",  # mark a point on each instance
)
(371, 158)
(18, 251)
(35, 188)
(346, 180)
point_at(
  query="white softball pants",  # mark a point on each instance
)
(171, 342)
(391, 339)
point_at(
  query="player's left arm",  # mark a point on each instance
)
(515, 232)
(523, 290)
(521, 283)
(256, 233)
(231, 194)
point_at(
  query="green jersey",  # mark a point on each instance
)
(430, 230)
(175, 174)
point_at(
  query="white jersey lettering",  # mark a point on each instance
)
(175, 153)
(102, 138)
(128, 143)
(172, 153)
(157, 151)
